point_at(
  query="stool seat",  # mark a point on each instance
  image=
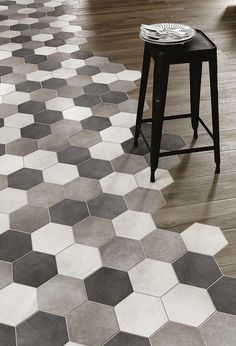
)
(200, 49)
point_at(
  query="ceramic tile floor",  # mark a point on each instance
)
(81, 259)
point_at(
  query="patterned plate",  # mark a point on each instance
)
(166, 33)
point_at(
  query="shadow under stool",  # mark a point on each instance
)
(194, 52)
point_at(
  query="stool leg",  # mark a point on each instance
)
(160, 81)
(215, 110)
(195, 90)
(142, 94)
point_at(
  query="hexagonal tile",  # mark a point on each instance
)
(35, 131)
(126, 339)
(14, 245)
(40, 159)
(163, 245)
(9, 134)
(68, 212)
(12, 199)
(143, 322)
(108, 286)
(82, 189)
(144, 200)
(114, 97)
(95, 169)
(5, 276)
(61, 295)
(77, 113)
(130, 164)
(129, 75)
(204, 239)
(73, 155)
(197, 270)
(59, 103)
(223, 293)
(163, 179)
(87, 70)
(103, 319)
(107, 206)
(106, 151)
(60, 173)
(121, 253)
(25, 178)
(96, 88)
(95, 123)
(47, 328)
(182, 300)
(118, 183)
(52, 238)
(54, 83)
(123, 119)
(87, 100)
(46, 195)
(104, 77)
(18, 298)
(115, 134)
(19, 120)
(10, 164)
(78, 261)
(93, 231)
(7, 335)
(34, 269)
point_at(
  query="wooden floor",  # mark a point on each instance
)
(196, 195)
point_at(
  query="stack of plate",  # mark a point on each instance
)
(166, 33)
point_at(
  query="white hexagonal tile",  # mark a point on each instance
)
(153, 277)
(9, 134)
(59, 103)
(6, 89)
(10, 164)
(77, 113)
(188, 305)
(40, 159)
(52, 238)
(4, 54)
(17, 302)
(116, 134)
(16, 98)
(60, 173)
(78, 261)
(106, 151)
(68, 48)
(59, 24)
(39, 76)
(140, 314)
(45, 50)
(42, 37)
(163, 179)
(12, 199)
(96, 61)
(204, 239)
(19, 120)
(9, 33)
(10, 47)
(123, 119)
(4, 222)
(130, 75)
(73, 63)
(133, 224)
(118, 183)
(64, 73)
(104, 77)
(72, 28)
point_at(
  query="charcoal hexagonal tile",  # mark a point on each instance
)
(88, 70)
(101, 317)
(68, 212)
(95, 168)
(93, 231)
(114, 97)
(48, 117)
(34, 269)
(122, 253)
(96, 89)
(78, 261)
(29, 218)
(35, 59)
(61, 295)
(73, 155)
(126, 339)
(95, 123)
(31, 107)
(129, 148)
(169, 244)
(7, 335)
(108, 286)
(145, 200)
(25, 178)
(28, 86)
(4, 70)
(107, 206)
(182, 300)
(48, 328)
(87, 100)
(14, 245)
(197, 270)
(54, 83)
(223, 293)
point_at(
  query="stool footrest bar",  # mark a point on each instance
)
(185, 151)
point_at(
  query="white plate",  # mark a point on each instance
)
(166, 33)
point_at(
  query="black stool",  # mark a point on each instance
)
(194, 52)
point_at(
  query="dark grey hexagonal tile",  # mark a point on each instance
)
(25, 178)
(23, 52)
(73, 155)
(20, 39)
(49, 65)
(34, 269)
(19, 27)
(48, 117)
(223, 294)
(13, 245)
(35, 131)
(145, 200)
(7, 335)
(28, 86)
(114, 97)
(42, 329)
(171, 142)
(35, 59)
(125, 339)
(4, 70)
(107, 206)
(31, 107)
(87, 100)
(88, 70)
(95, 123)
(129, 148)
(108, 286)
(81, 54)
(197, 270)
(54, 43)
(54, 83)
(96, 89)
(95, 169)
(68, 212)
